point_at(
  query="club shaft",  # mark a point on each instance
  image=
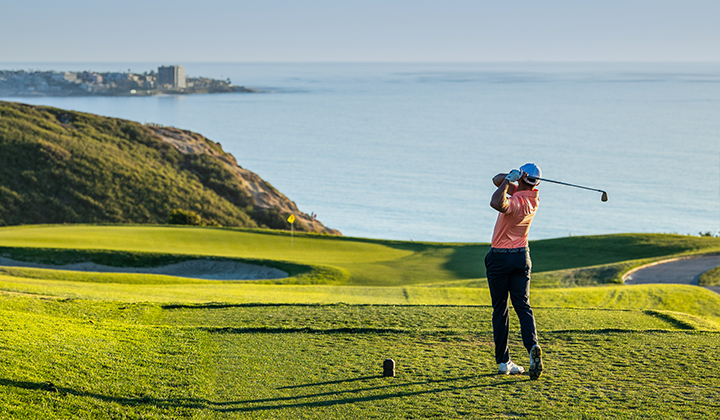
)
(570, 185)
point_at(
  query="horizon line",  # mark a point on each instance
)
(381, 62)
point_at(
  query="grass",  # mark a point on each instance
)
(300, 273)
(91, 345)
(69, 358)
(365, 262)
(710, 278)
(687, 299)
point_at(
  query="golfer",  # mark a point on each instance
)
(508, 265)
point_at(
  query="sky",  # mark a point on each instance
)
(358, 30)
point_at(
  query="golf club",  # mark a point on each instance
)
(604, 194)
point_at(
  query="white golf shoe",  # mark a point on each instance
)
(510, 368)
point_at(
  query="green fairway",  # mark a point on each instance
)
(107, 345)
(366, 262)
(201, 241)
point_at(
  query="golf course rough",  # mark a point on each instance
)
(118, 345)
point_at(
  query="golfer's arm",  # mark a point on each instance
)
(499, 199)
(498, 179)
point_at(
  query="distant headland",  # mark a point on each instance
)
(168, 80)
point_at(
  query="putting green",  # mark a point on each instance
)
(201, 241)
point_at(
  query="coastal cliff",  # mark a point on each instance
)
(59, 166)
(264, 195)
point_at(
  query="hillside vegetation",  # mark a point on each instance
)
(59, 166)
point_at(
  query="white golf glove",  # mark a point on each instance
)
(514, 175)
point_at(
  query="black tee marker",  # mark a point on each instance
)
(388, 368)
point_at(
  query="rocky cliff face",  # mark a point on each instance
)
(265, 196)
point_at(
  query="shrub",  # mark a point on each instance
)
(184, 217)
(710, 278)
(272, 218)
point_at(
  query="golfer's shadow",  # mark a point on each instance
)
(385, 388)
(398, 390)
(129, 401)
(339, 381)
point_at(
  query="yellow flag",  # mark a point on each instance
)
(291, 219)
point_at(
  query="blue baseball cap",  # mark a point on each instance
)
(533, 173)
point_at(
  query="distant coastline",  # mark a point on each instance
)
(168, 80)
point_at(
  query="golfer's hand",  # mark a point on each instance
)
(514, 176)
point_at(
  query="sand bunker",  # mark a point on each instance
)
(196, 269)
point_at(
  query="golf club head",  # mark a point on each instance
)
(604, 196)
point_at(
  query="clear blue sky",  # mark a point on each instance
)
(359, 30)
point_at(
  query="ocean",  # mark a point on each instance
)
(407, 150)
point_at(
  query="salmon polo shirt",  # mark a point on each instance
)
(513, 226)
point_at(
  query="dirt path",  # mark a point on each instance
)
(676, 271)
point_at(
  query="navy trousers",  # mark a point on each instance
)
(509, 274)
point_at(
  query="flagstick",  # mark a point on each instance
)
(291, 219)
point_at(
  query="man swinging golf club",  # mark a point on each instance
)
(508, 265)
